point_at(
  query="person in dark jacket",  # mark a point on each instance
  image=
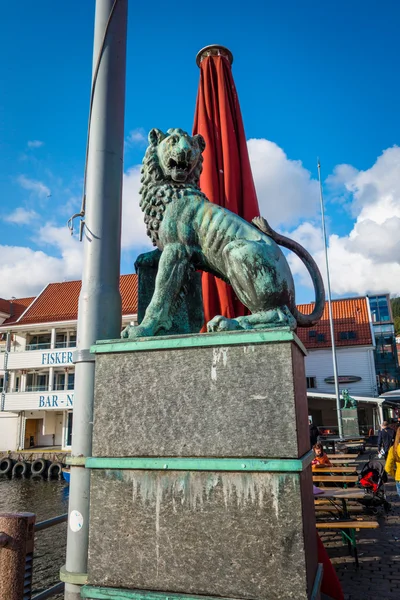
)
(314, 433)
(385, 438)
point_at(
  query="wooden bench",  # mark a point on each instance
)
(356, 508)
(337, 456)
(348, 530)
(348, 462)
(333, 469)
(335, 478)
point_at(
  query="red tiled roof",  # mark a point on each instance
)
(349, 315)
(17, 307)
(59, 301)
(4, 306)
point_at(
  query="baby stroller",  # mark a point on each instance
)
(372, 479)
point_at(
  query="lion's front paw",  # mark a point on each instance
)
(136, 331)
(220, 323)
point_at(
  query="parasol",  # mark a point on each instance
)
(226, 179)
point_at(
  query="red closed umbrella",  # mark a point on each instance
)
(226, 179)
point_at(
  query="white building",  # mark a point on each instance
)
(355, 351)
(37, 342)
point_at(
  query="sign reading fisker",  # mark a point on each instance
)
(56, 358)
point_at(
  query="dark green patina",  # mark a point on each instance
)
(194, 234)
(189, 315)
(349, 402)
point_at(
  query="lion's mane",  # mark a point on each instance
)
(157, 191)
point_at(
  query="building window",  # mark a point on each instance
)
(71, 381)
(39, 342)
(379, 309)
(59, 381)
(68, 433)
(347, 335)
(66, 339)
(311, 382)
(321, 337)
(312, 333)
(37, 382)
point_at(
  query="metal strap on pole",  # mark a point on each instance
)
(332, 329)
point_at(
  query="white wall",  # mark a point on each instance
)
(358, 361)
(8, 431)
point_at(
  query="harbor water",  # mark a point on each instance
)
(46, 499)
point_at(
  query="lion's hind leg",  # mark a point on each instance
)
(262, 281)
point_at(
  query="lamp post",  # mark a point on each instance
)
(332, 329)
(99, 310)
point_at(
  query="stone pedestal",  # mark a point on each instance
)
(201, 483)
(350, 422)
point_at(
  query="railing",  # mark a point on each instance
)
(18, 535)
(43, 346)
(70, 344)
(37, 388)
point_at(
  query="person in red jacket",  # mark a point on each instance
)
(320, 458)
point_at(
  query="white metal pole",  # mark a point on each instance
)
(99, 312)
(332, 329)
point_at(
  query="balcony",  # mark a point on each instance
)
(43, 346)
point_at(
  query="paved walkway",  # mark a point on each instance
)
(378, 577)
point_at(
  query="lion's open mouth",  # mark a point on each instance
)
(182, 165)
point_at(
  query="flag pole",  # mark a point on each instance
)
(332, 329)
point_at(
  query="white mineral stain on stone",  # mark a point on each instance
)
(258, 397)
(248, 349)
(193, 490)
(218, 354)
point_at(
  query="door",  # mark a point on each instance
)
(30, 433)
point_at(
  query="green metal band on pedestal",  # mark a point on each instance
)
(170, 342)
(203, 464)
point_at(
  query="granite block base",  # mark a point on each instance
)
(350, 422)
(236, 535)
(233, 395)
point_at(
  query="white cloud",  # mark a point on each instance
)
(286, 192)
(133, 227)
(24, 271)
(39, 188)
(368, 259)
(68, 246)
(21, 216)
(365, 261)
(136, 137)
(35, 144)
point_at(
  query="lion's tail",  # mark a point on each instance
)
(302, 319)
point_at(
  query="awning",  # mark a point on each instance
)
(378, 401)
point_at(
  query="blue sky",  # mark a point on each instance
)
(312, 78)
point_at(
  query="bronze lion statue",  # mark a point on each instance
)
(193, 233)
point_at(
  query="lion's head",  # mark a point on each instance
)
(173, 162)
(177, 154)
